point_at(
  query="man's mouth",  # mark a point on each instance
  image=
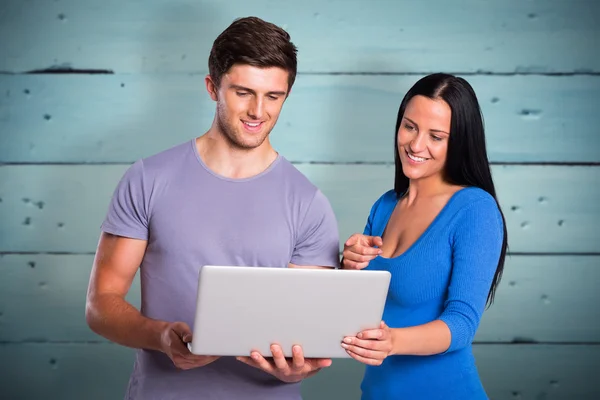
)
(252, 126)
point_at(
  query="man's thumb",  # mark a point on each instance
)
(183, 331)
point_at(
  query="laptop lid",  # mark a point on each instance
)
(240, 309)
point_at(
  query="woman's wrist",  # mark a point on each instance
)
(396, 341)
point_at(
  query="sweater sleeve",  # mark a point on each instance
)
(476, 245)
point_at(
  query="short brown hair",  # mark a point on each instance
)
(254, 42)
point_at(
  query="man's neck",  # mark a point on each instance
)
(224, 159)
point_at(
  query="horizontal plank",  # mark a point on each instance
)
(42, 298)
(381, 36)
(101, 371)
(327, 118)
(60, 208)
(545, 299)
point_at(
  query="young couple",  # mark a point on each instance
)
(228, 198)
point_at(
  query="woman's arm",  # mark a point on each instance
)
(476, 246)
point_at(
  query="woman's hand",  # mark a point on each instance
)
(359, 250)
(370, 346)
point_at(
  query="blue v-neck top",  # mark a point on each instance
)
(446, 274)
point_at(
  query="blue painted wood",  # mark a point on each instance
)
(153, 102)
(60, 208)
(337, 35)
(101, 371)
(72, 118)
(42, 298)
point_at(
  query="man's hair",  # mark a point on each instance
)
(254, 42)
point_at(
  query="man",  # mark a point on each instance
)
(224, 198)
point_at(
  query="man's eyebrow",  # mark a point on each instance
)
(245, 89)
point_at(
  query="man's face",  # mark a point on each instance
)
(249, 100)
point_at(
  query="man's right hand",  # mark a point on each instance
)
(359, 250)
(174, 339)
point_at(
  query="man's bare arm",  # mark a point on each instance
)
(107, 312)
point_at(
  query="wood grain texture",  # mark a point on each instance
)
(540, 299)
(101, 371)
(120, 118)
(338, 35)
(60, 208)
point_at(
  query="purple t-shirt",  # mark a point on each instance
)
(191, 217)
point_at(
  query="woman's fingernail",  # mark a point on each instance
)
(347, 340)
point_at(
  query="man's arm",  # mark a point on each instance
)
(107, 312)
(111, 316)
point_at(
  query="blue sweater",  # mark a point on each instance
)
(446, 274)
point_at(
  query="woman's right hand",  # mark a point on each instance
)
(359, 250)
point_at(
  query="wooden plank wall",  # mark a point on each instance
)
(89, 86)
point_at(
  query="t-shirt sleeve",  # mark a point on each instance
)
(128, 209)
(476, 244)
(318, 238)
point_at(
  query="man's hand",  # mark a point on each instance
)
(286, 370)
(359, 250)
(174, 339)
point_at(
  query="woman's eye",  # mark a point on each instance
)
(436, 138)
(408, 127)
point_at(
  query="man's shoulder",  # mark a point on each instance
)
(297, 181)
(167, 157)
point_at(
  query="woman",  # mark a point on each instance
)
(442, 235)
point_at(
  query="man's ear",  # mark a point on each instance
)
(211, 88)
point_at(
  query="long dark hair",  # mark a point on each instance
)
(467, 161)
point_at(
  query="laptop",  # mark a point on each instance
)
(241, 309)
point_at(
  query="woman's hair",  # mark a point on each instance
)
(466, 162)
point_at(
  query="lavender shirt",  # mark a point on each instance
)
(191, 217)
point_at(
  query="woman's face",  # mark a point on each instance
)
(423, 137)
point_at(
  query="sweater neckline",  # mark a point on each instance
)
(425, 233)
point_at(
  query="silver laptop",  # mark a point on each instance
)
(240, 309)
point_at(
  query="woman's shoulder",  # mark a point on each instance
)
(386, 200)
(473, 196)
(472, 201)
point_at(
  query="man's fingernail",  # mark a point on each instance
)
(360, 335)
